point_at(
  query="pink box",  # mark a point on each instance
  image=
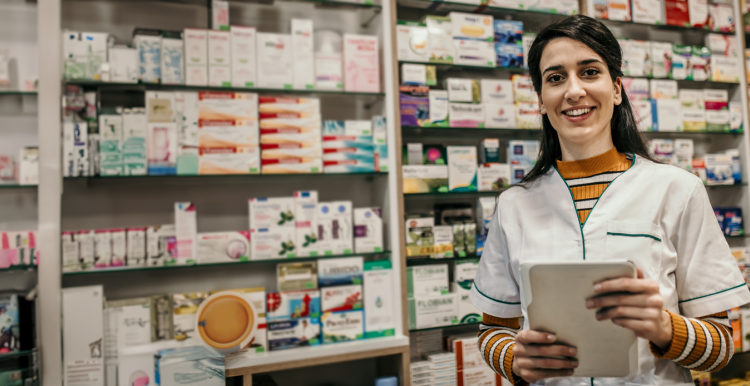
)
(361, 63)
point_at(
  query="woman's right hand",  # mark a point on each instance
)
(537, 357)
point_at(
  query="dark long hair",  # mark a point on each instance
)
(594, 34)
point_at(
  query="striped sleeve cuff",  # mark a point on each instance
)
(497, 337)
(701, 345)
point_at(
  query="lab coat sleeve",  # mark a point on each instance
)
(707, 278)
(495, 291)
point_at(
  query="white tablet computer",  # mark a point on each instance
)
(555, 294)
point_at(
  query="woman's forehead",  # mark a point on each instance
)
(566, 51)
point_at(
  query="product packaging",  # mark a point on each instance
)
(302, 51)
(663, 89)
(443, 241)
(472, 26)
(414, 105)
(220, 15)
(223, 247)
(719, 169)
(528, 116)
(733, 224)
(522, 156)
(124, 65)
(666, 115)
(721, 44)
(466, 115)
(411, 42)
(293, 333)
(185, 232)
(161, 245)
(273, 243)
(243, 50)
(338, 272)
(722, 16)
(136, 247)
(474, 53)
(199, 362)
(184, 311)
(489, 150)
(462, 168)
(271, 212)
(378, 301)
(698, 10)
(341, 298)
(329, 74)
(196, 57)
(361, 63)
(496, 91)
(335, 229)
(493, 177)
(219, 59)
(693, 119)
(677, 13)
(509, 55)
(699, 169)
(275, 61)
(438, 107)
(419, 236)
(293, 305)
(70, 252)
(224, 304)
(427, 280)
(297, 276)
(681, 62)
(500, 115)
(414, 74)
(148, 44)
(306, 223)
(635, 55)
(102, 249)
(162, 149)
(661, 149)
(636, 88)
(463, 90)
(465, 271)
(648, 11)
(439, 39)
(368, 230)
(725, 69)
(661, 59)
(701, 59)
(172, 56)
(425, 178)
(508, 31)
(82, 330)
(75, 147)
(523, 89)
(342, 326)
(74, 56)
(433, 311)
(735, 117)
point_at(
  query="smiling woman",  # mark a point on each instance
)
(596, 194)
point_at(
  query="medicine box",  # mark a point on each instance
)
(493, 177)
(433, 311)
(462, 168)
(474, 53)
(293, 333)
(162, 149)
(293, 305)
(136, 247)
(273, 243)
(462, 90)
(297, 276)
(243, 44)
(196, 57)
(496, 91)
(661, 56)
(425, 178)
(185, 232)
(341, 298)
(378, 300)
(335, 230)
(124, 66)
(342, 326)
(677, 13)
(414, 105)
(82, 330)
(361, 63)
(666, 115)
(334, 272)
(411, 42)
(306, 222)
(172, 55)
(439, 39)
(419, 236)
(304, 59)
(223, 247)
(471, 26)
(272, 212)
(219, 59)
(161, 245)
(508, 31)
(427, 280)
(415, 74)
(663, 89)
(466, 115)
(509, 55)
(648, 11)
(75, 147)
(698, 11)
(257, 297)
(523, 89)
(219, 15)
(500, 115)
(438, 106)
(443, 241)
(185, 308)
(368, 230)
(464, 274)
(275, 61)
(110, 145)
(148, 44)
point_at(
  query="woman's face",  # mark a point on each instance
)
(577, 95)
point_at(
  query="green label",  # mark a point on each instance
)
(291, 255)
(287, 87)
(226, 84)
(328, 253)
(347, 251)
(244, 258)
(260, 349)
(378, 249)
(250, 84)
(309, 86)
(313, 253)
(339, 85)
(315, 170)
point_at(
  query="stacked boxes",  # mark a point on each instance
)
(272, 228)
(509, 43)
(335, 228)
(430, 303)
(290, 135)
(341, 299)
(348, 147)
(473, 39)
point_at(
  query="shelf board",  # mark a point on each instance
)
(664, 26)
(428, 260)
(510, 132)
(444, 327)
(747, 235)
(104, 271)
(17, 354)
(678, 133)
(450, 67)
(263, 2)
(251, 363)
(90, 84)
(17, 92)
(16, 268)
(690, 81)
(209, 176)
(453, 194)
(725, 186)
(17, 186)
(448, 6)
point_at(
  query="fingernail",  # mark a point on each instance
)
(597, 287)
(598, 317)
(572, 351)
(570, 372)
(575, 364)
(589, 303)
(550, 337)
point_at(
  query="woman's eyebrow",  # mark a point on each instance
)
(581, 63)
(553, 68)
(588, 61)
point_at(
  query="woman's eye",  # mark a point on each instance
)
(554, 78)
(591, 72)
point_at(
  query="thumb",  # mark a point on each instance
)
(640, 274)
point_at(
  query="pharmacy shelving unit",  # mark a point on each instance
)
(221, 201)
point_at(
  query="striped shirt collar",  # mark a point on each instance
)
(591, 166)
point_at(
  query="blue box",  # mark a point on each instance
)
(293, 333)
(733, 224)
(509, 55)
(508, 32)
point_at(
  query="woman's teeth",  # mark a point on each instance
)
(575, 113)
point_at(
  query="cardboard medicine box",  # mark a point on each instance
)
(335, 272)
(427, 280)
(342, 326)
(293, 333)
(433, 311)
(335, 230)
(297, 276)
(243, 44)
(293, 305)
(378, 300)
(368, 230)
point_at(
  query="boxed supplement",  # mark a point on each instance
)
(161, 245)
(427, 280)
(425, 178)
(666, 115)
(443, 241)
(471, 26)
(411, 39)
(219, 15)
(693, 119)
(134, 149)
(361, 63)
(635, 54)
(124, 66)
(663, 89)
(733, 222)
(162, 148)
(75, 147)
(636, 88)
(499, 115)
(271, 212)
(342, 326)
(328, 71)
(148, 44)
(474, 53)
(719, 169)
(463, 90)
(735, 117)
(85, 241)
(172, 60)
(677, 13)
(273, 243)
(185, 232)
(82, 330)
(341, 298)
(559, 7)
(496, 91)
(237, 160)
(378, 288)
(335, 228)
(661, 59)
(336, 272)
(466, 115)
(70, 252)
(493, 177)
(244, 71)
(293, 333)
(414, 105)
(257, 342)
(297, 276)
(716, 99)
(110, 146)
(275, 60)
(74, 55)
(160, 106)
(661, 149)
(692, 99)
(368, 230)
(293, 305)
(528, 116)
(485, 211)
(701, 59)
(439, 39)
(185, 306)
(720, 44)
(509, 55)
(489, 150)
(438, 106)
(306, 222)
(681, 62)
(102, 249)
(722, 16)
(523, 89)
(464, 274)
(219, 59)
(223, 247)
(302, 49)
(462, 168)
(648, 11)
(433, 311)
(508, 31)
(414, 74)
(419, 236)
(698, 10)
(699, 169)
(136, 247)
(725, 69)
(196, 57)
(522, 156)
(128, 323)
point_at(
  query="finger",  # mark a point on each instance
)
(640, 274)
(546, 363)
(531, 336)
(638, 313)
(533, 375)
(641, 328)
(626, 285)
(543, 350)
(627, 299)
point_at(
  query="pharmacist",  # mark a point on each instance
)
(596, 194)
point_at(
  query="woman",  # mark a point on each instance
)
(596, 194)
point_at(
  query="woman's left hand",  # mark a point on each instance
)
(635, 304)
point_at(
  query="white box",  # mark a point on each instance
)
(223, 247)
(135, 368)
(433, 311)
(102, 248)
(342, 326)
(490, 174)
(440, 39)
(692, 99)
(341, 298)
(523, 89)
(123, 64)
(335, 229)
(497, 91)
(378, 287)
(474, 53)
(337, 272)
(196, 57)
(411, 42)
(70, 252)
(666, 114)
(162, 148)
(301, 332)
(161, 244)
(272, 243)
(462, 168)
(134, 142)
(361, 63)
(466, 115)
(86, 248)
(661, 55)
(160, 106)
(136, 247)
(119, 247)
(306, 222)
(648, 11)
(149, 54)
(219, 15)
(663, 89)
(302, 43)
(442, 241)
(96, 55)
(499, 115)
(275, 61)
(368, 230)
(75, 146)
(28, 168)
(186, 231)
(244, 61)
(725, 69)
(172, 56)
(460, 89)
(464, 278)
(268, 213)
(83, 334)
(698, 11)
(472, 26)
(219, 59)
(235, 160)
(414, 74)
(329, 74)
(439, 106)
(427, 280)
(735, 116)
(74, 55)
(725, 45)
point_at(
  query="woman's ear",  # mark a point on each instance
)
(617, 90)
(542, 109)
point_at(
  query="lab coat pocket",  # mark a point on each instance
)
(640, 243)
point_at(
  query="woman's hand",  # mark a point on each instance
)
(635, 304)
(537, 357)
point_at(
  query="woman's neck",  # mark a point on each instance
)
(572, 151)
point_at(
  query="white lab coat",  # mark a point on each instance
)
(692, 263)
